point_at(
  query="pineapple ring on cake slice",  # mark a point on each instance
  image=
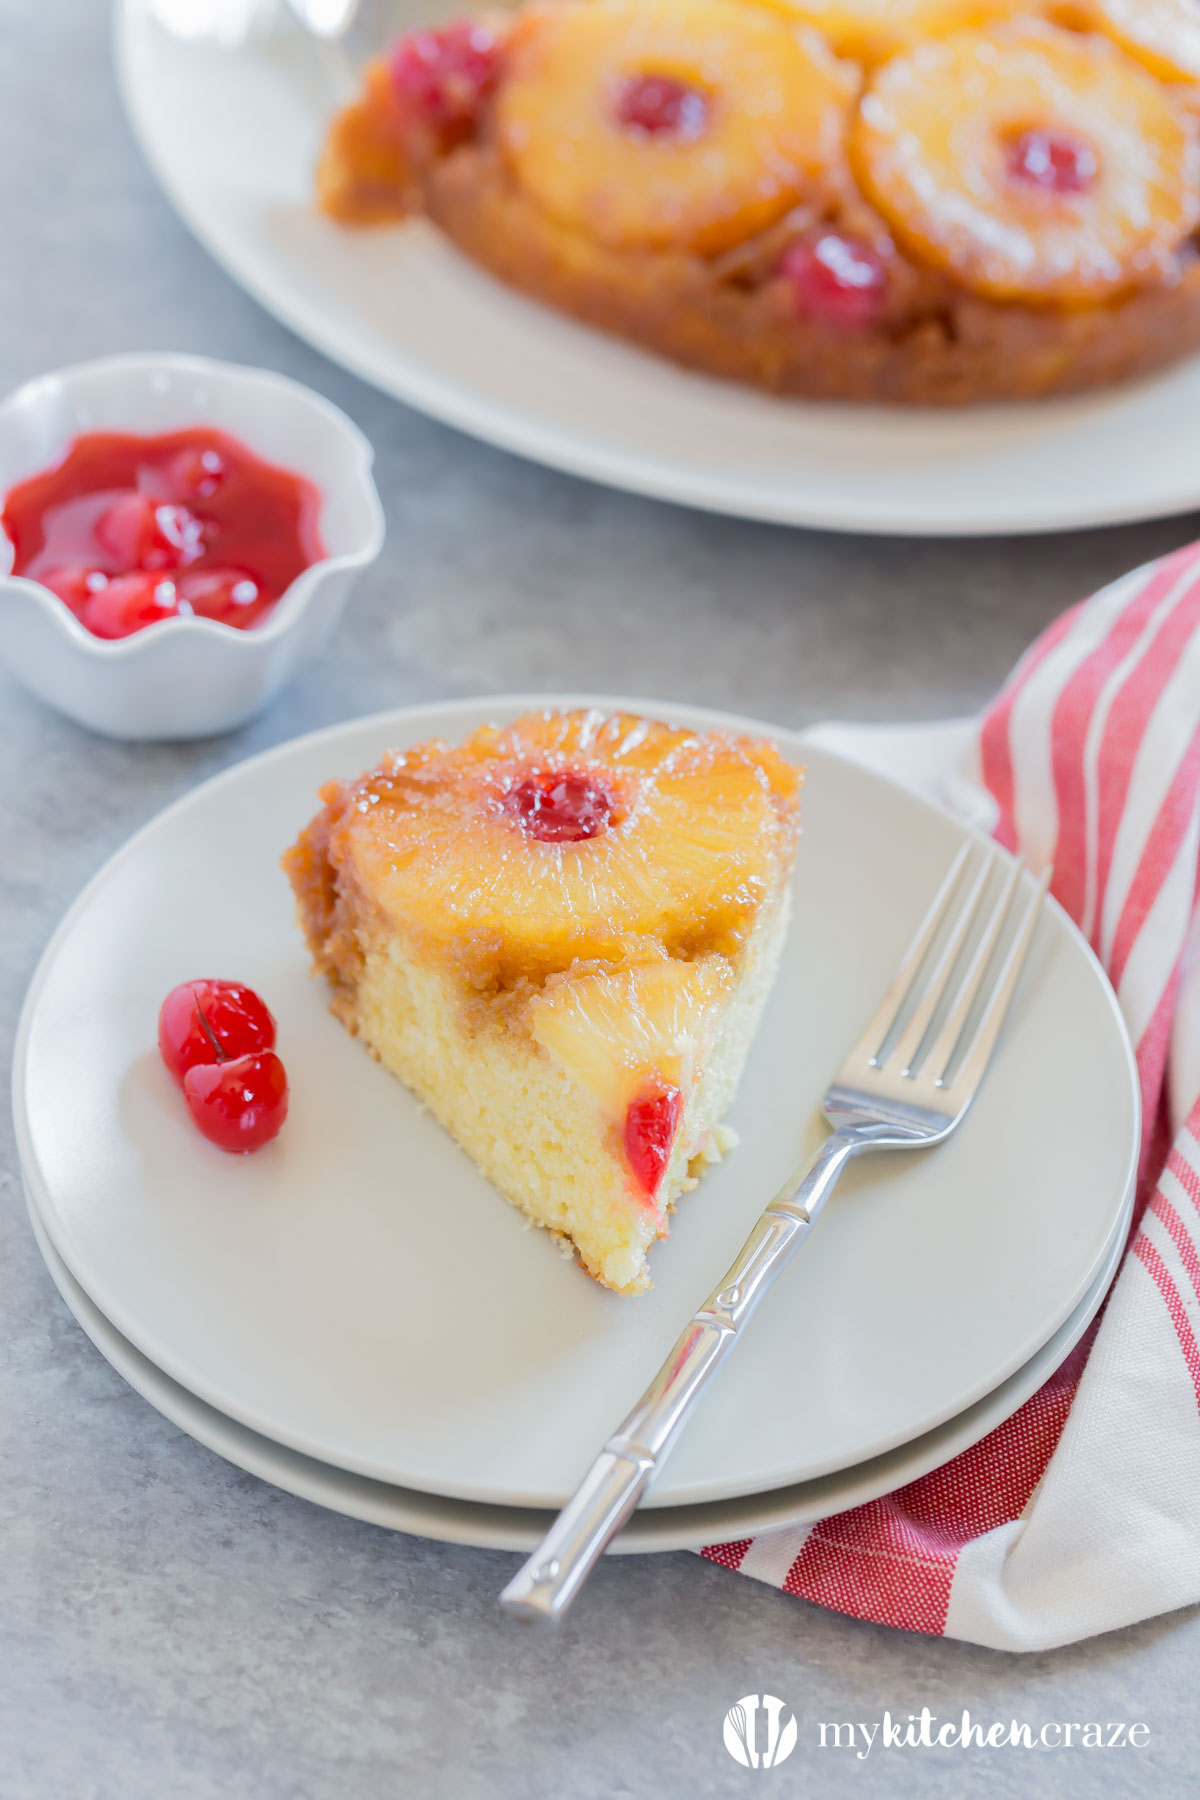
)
(688, 124)
(1162, 34)
(632, 1037)
(564, 836)
(636, 1043)
(875, 29)
(1029, 162)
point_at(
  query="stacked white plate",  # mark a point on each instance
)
(355, 1315)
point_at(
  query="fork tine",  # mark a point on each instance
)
(944, 1044)
(979, 1054)
(908, 1048)
(889, 1008)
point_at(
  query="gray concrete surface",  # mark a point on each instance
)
(171, 1629)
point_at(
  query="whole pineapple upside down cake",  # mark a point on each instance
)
(561, 934)
(921, 201)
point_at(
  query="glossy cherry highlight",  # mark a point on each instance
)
(560, 806)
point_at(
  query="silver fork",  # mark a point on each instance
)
(907, 1084)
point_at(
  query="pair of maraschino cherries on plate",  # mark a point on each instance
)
(217, 1038)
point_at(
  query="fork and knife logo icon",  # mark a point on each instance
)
(760, 1731)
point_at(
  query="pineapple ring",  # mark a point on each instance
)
(933, 147)
(693, 841)
(875, 29)
(773, 103)
(614, 1030)
(1162, 34)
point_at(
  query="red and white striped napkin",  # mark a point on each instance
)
(1082, 1512)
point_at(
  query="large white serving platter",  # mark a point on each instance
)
(233, 137)
(359, 1293)
(519, 1528)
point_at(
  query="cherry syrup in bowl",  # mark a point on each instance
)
(130, 529)
(179, 537)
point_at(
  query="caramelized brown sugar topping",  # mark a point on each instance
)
(363, 173)
(562, 838)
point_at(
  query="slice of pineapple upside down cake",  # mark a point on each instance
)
(560, 934)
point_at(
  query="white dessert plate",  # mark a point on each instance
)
(358, 1292)
(233, 136)
(517, 1528)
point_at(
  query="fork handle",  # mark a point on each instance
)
(548, 1582)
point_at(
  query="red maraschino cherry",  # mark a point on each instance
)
(1060, 162)
(129, 603)
(650, 1126)
(75, 584)
(195, 474)
(239, 1105)
(836, 278)
(443, 77)
(216, 1038)
(560, 806)
(662, 106)
(211, 1021)
(144, 534)
(230, 596)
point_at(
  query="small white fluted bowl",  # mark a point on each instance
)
(184, 678)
